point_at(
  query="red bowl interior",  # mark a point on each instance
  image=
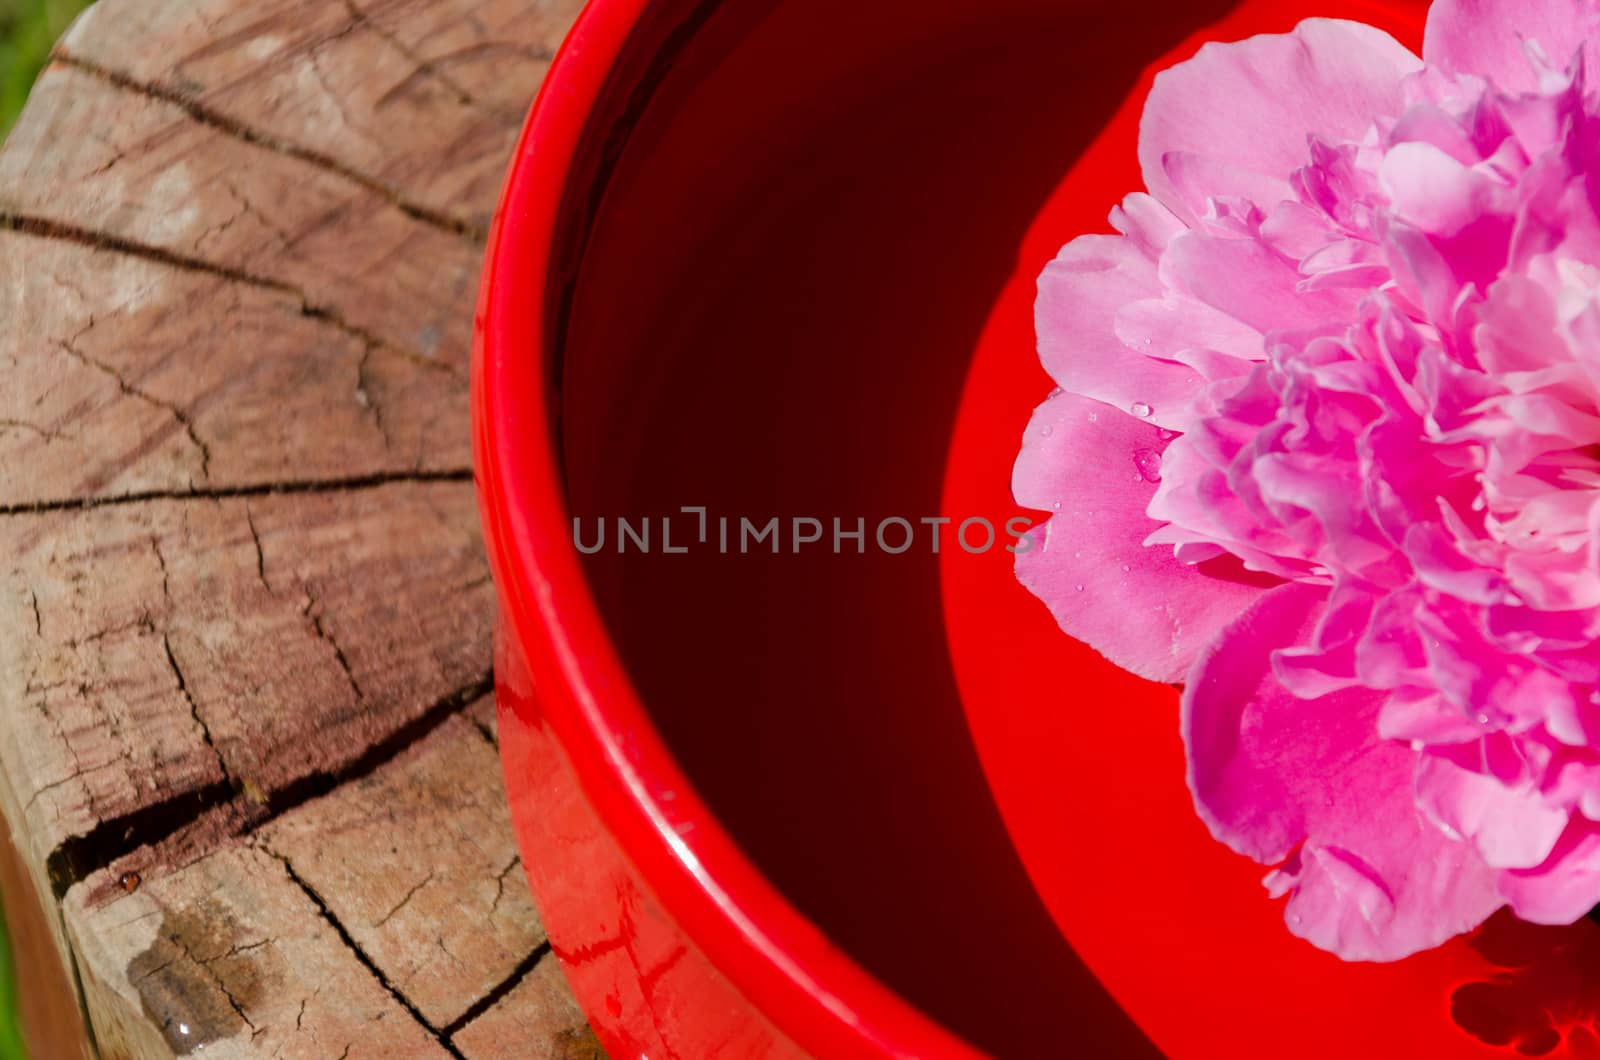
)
(794, 278)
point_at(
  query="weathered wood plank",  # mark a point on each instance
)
(156, 183)
(245, 619)
(338, 79)
(411, 866)
(438, 900)
(163, 648)
(233, 956)
(127, 376)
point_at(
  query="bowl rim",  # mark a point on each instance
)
(767, 950)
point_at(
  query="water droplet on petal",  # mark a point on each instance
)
(1148, 463)
(1056, 507)
(1126, 568)
(1046, 431)
(1094, 417)
(1143, 411)
(1165, 435)
(1080, 588)
(1483, 719)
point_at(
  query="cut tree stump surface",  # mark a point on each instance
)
(245, 618)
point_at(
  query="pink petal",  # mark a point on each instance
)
(1439, 565)
(1080, 295)
(1251, 105)
(1149, 224)
(1178, 325)
(1432, 190)
(1276, 777)
(1140, 607)
(1246, 280)
(1511, 826)
(1489, 37)
(1199, 179)
(1565, 886)
(1296, 231)
(1409, 714)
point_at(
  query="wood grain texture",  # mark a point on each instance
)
(234, 955)
(437, 901)
(245, 617)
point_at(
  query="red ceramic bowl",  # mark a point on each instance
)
(776, 258)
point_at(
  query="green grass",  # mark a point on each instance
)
(11, 1047)
(28, 29)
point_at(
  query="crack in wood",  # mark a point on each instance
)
(161, 561)
(361, 955)
(500, 884)
(233, 127)
(144, 622)
(261, 554)
(31, 428)
(194, 711)
(486, 732)
(78, 773)
(134, 391)
(352, 484)
(369, 400)
(49, 228)
(246, 207)
(178, 942)
(66, 232)
(78, 857)
(412, 893)
(314, 785)
(425, 68)
(234, 951)
(322, 633)
(497, 993)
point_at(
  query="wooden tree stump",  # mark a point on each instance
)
(245, 617)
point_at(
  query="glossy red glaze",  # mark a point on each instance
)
(777, 257)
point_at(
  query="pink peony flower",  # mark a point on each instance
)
(1327, 451)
